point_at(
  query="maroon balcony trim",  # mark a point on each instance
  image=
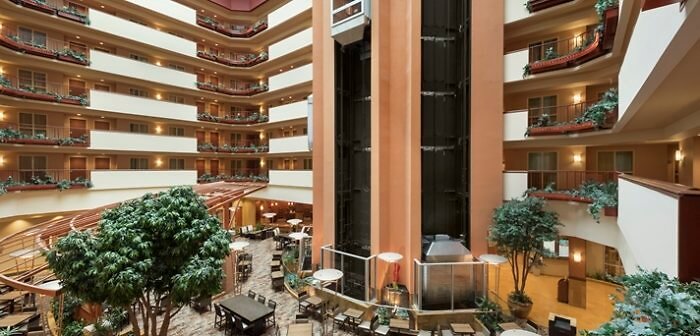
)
(38, 6)
(610, 18)
(71, 16)
(222, 29)
(10, 43)
(69, 59)
(35, 187)
(538, 5)
(591, 51)
(651, 4)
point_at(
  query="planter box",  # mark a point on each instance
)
(555, 196)
(206, 24)
(42, 52)
(71, 101)
(207, 150)
(39, 96)
(46, 142)
(561, 129)
(237, 122)
(610, 18)
(39, 7)
(591, 51)
(7, 42)
(228, 91)
(538, 5)
(610, 211)
(223, 30)
(204, 55)
(243, 151)
(70, 59)
(71, 16)
(31, 187)
(14, 92)
(207, 87)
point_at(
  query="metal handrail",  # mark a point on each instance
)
(344, 7)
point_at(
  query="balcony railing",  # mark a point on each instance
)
(232, 30)
(243, 60)
(48, 92)
(560, 180)
(236, 118)
(240, 89)
(43, 179)
(55, 7)
(235, 175)
(344, 10)
(538, 5)
(242, 147)
(586, 116)
(360, 273)
(47, 48)
(11, 133)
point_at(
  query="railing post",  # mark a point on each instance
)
(342, 282)
(452, 287)
(367, 280)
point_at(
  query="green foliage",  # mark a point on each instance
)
(598, 112)
(75, 328)
(10, 133)
(550, 54)
(4, 81)
(9, 331)
(402, 314)
(654, 304)
(602, 5)
(520, 228)
(383, 316)
(112, 321)
(526, 70)
(70, 305)
(528, 6)
(602, 195)
(73, 11)
(81, 57)
(166, 246)
(206, 147)
(491, 314)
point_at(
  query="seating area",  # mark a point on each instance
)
(18, 310)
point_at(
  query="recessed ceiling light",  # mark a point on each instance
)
(290, 97)
(102, 117)
(102, 43)
(102, 80)
(78, 76)
(78, 114)
(201, 69)
(102, 6)
(202, 11)
(291, 67)
(77, 36)
(203, 40)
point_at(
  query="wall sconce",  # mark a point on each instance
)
(262, 163)
(2, 115)
(159, 96)
(159, 162)
(679, 155)
(262, 108)
(2, 160)
(578, 158)
(577, 98)
(158, 129)
(262, 136)
(261, 207)
(577, 257)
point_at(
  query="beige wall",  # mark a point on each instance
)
(565, 96)
(689, 167)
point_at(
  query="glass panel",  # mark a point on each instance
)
(40, 39)
(25, 79)
(534, 161)
(535, 51)
(606, 161)
(549, 161)
(564, 248)
(40, 81)
(624, 162)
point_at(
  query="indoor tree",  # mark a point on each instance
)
(156, 253)
(520, 228)
(654, 304)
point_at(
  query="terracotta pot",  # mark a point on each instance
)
(610, 211)
(519, 310)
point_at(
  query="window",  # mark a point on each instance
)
(176, 99)
(76, 88)
(537, 106)
(236, 167)
(32, 37)
(236, 139)
(104, 50)
(79, 47)
(31, 124)
(177, 131)
(538, 49)
(31, 166)
(305, 131)
(138, 57)
(308, 164)
(138, 163)
(613, 263)
(176, 67)
(32, 80)
(138, 128)
(177, 164)
(557, 248)
(138, 92)
(618, 161)
(542, 169)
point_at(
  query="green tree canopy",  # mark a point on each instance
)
(520, 228)
(654, 304)
(160, 252)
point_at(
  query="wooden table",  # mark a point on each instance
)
(399, 324)
(315, 301)
(462, 328)
(253, 313)
(509, 326)
(14, 319)
(301, 329)
(12, 295)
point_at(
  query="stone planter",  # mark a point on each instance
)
(519, 310)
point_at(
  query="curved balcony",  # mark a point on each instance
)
(51, 92)
(49, 48)
(239, 148)
(241, 89)
(54, 7)
(232, 30)
(11, 133)
(236, 175)
(43, 179)
(574, 118)
(238, 118)
(240, 60)
(538, 5)
(567, 53)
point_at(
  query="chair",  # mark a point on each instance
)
(381, 330)
(252, 294)
(340, 319)
(271, 321)
(366, 325)
(301, 318)
(261, 299)
(219, 316)
(446, 332)
(425, 333)
(303, 305)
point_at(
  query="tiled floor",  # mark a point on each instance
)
(189, 322)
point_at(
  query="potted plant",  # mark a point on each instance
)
(490, 315)
(71, 13)
(520, 228)
(73, 56)
(603, 197)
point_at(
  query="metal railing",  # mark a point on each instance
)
(238, 117)
(10, 37)
(43, 134)
(31, 88)
(558, 114)
(345, 10)
(561, 48)
(359, 279)
(40, 177)
(449, 286)
(567, 180)
(233, 175)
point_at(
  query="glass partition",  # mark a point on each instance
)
(359, 273)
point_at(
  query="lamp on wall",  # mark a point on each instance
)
(577, 98)
(578, 158)
(2, 115)
(577, 257)
(158, 129)
(159, 96)
(679, 155)
(159, 162)
(262, 163)
(2, 161)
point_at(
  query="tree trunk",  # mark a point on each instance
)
(166, 318)
(134, 321)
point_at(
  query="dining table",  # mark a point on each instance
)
(399, 325)
(300, 329)
(462, 329)
(14, 320)
(250, 311)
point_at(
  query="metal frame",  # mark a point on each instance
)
(343, 7)
(418, 280)
(370, 270)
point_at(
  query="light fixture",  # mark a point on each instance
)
(2, 160)
(158, 63)
(78, 76)
(77, 36)
(577, 98)
(262, 135)
(578, 158)
(261, 207)
(262, 163)
(2, 115)
(102, 117)
(679, 155)
(102, 43)
(577, 257)
(102, 6)
(159, 96)
(102, 80)
(79, 114)
(158, 129)
(159, 162)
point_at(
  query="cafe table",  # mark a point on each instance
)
(462, 328)
(397, 325)
(251, 312)
(13, 320)
(301, 329)
(354, 314)
(518, 332)
(509, 326)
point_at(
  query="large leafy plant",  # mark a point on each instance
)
(158, 252)
(602, 5)
(602, 195)
(652, 304)
(520, 228)
(598, 112)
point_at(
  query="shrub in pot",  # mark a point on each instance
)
(519, 229)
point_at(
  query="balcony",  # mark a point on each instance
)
(560, 120)
(43, 179)
(291, 111)
(43, 136)
(240, 89)
(50, 92)
(291, 44)
(141, 179)
(54, 7)
(349, 19)
(236, 175)
(516, 10)
(113, 25)
(122, 141)
(285, 13)
(237, 118)
(142, 107)
(292, 77)
(296, 144)
(239, 148)
(170, 8)
(113, 64)
(232, 30)
(292, 178)
(240, 60)
(47, 48)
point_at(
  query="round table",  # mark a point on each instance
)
(496, 260)
(392, 258)
(518, 333)
(300, 236)
(51, 285)
(294, 222)
(269, 216)
(237, 246)
(327, 275)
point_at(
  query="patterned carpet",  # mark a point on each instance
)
(189, 322)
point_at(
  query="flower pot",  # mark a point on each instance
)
(70, 59)
(519, 310)
(41, 52)
(38, 6)
(39, 96)
(72, 17)
(610, 211)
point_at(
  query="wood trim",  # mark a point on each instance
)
(671, 189)
(688, 231)
(651, 4)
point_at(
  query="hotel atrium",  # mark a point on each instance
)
(349, 167)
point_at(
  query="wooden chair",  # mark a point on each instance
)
(340, 319)
(366, 326)
(271, 321)
(261, 299)
(382, 330)
(303, 305)
(252, 294)
(219, 317)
